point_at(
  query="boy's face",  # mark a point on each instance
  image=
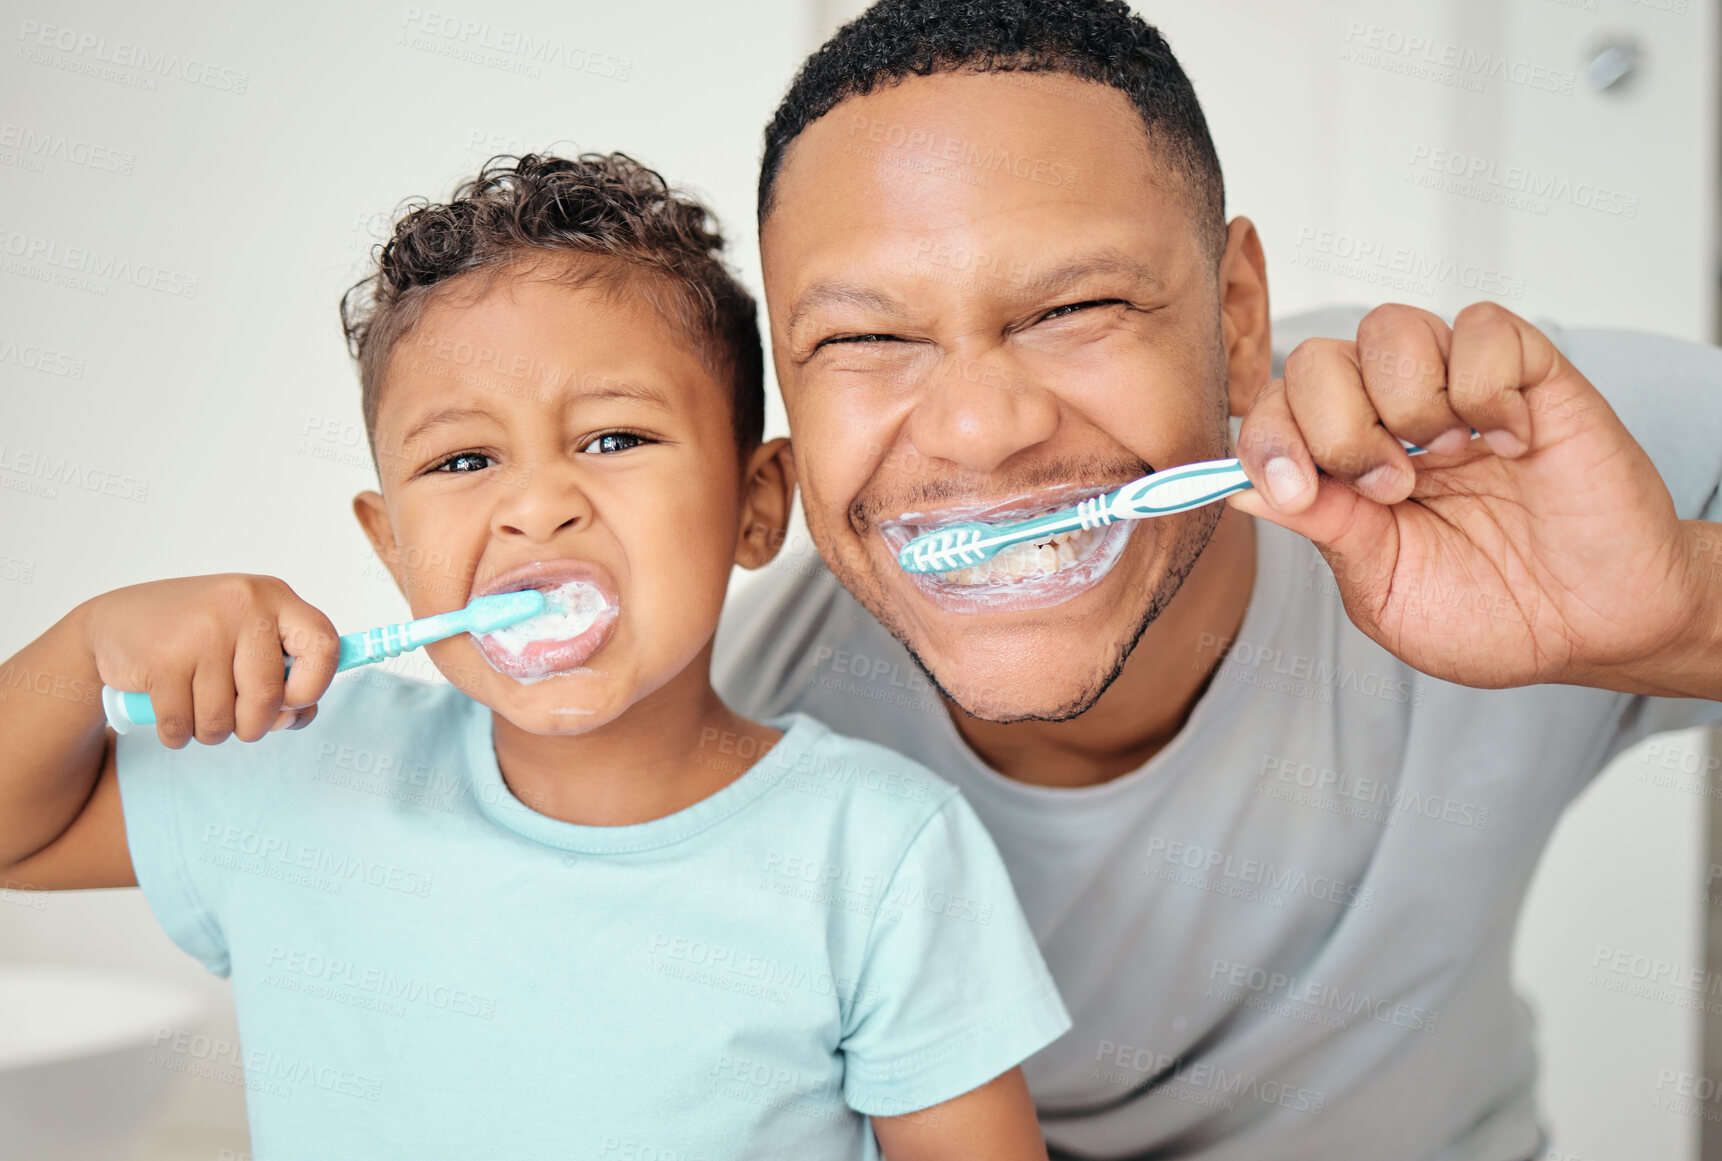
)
(541, 433)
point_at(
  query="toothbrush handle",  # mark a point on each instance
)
(125, 709)
(1182, 488)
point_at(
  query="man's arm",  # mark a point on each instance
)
(1692, 666)
(994, 1122)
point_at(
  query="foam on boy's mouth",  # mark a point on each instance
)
(575, 624)
(569, 610)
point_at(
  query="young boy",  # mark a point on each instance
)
(570, 905)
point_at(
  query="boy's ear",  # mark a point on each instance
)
(373, 517)
(767, 491)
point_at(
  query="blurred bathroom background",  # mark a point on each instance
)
(1580, 185)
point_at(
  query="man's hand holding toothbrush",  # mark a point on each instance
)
(1548, 550)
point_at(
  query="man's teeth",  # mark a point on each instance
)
(1029, 560)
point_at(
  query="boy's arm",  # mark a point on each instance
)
(91, 852)
(60, 822)
(208, 650)
(994, 1122)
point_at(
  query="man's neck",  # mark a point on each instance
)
(1152, 698)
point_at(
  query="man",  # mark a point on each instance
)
(1271, 776)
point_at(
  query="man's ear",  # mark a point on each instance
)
(373, 516)
(1247, 330)
(767, 491)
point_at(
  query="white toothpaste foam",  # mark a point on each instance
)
(569, 610)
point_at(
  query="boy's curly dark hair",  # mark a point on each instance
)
(518, 211)
(1094, 40)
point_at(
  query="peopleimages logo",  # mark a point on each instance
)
(93, 50)
(1516, 186)
(1243, 877)
(86, 267)
(1455, 65)
(1372, 259)
(1302, 675)
(1259, 988)
(40, 145)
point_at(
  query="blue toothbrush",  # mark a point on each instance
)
(484, 615)
(1160, 494)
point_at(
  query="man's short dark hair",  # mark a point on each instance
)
(622, 224)
(1094, 40)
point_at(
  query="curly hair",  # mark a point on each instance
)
(1093, 40)
(642, 234)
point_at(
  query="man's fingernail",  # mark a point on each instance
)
(1286, 481)
(283, 720)
(1450, 442)
(1382, 480)
(1504, 443)
(302, 718)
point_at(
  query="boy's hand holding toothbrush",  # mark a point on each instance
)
(266, 669)
(208, 652)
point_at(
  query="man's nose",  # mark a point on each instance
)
(541, 500)
(978, 413)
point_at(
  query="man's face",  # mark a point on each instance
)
(988, 300)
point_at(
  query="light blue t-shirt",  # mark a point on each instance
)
(423, 967)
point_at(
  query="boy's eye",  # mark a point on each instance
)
(614, 441)
(473, 461)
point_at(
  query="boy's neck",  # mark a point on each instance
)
(671, 749)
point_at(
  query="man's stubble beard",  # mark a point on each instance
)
(1188, 548)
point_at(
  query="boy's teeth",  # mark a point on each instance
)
(1032, 559)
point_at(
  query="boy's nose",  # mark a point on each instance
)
(544, 500)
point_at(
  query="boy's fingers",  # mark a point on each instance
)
(170, 698)
(311, 640)
(259, 677)
(212, 699)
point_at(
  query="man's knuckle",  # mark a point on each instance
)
(1304, 359)
(1481, 314)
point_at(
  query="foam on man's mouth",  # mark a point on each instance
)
(1031, 559)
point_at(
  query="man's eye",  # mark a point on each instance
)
(860, 339)
(614, 441)
(1073, 307)
(474, 461)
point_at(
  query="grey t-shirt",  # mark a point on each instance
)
(1288, 934)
